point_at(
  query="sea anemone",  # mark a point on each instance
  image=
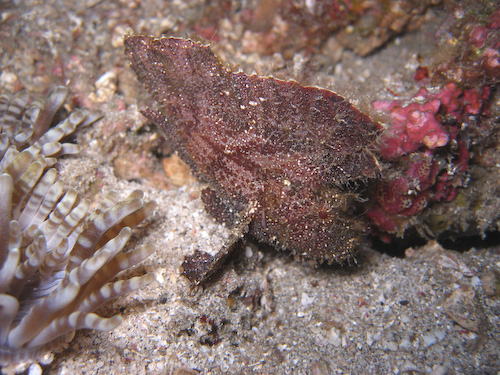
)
(56, 258)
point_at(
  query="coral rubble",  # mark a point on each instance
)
(358, 25)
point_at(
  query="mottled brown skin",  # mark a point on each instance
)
(281, 160)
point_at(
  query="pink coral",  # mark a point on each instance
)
(429, 120)
(422, 127)
(404, 196)
(414, 126)
(417, 130)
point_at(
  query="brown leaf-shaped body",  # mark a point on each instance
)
(278, 156)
